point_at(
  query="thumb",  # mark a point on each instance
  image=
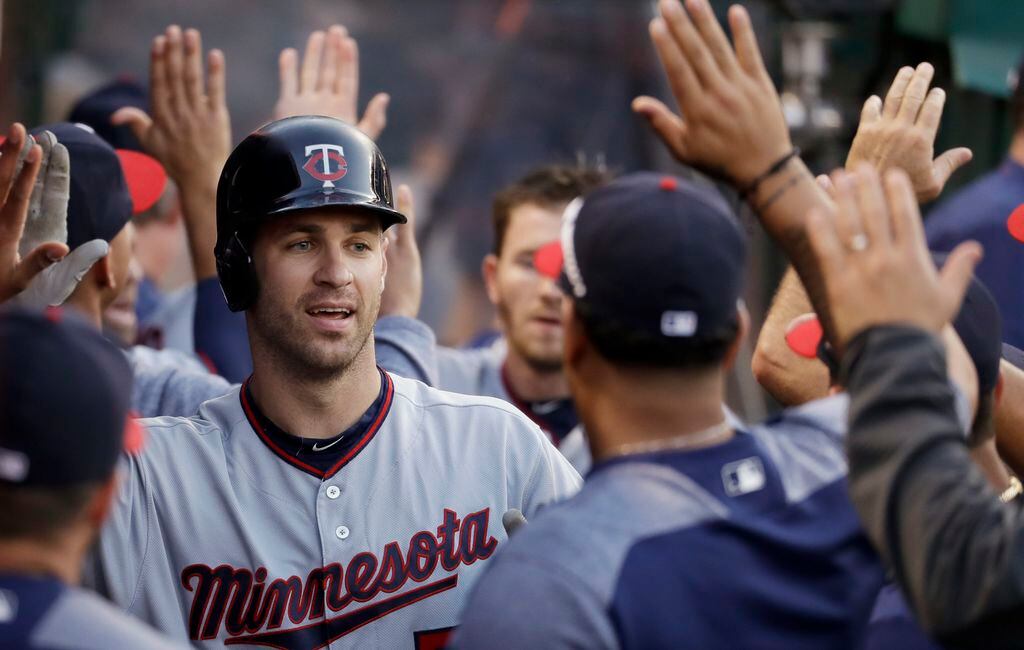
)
(42, 257)
(949, 162)
(136, 119)
(406, 206)
(956, 274)
(669, 126)
(375, 118)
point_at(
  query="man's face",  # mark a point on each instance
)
(321, 274)
(528, 303)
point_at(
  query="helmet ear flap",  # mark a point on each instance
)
(237, 275)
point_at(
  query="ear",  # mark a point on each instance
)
(744, 327)
(100, 505)
(489, 268)
(102, 274)
(574, 341)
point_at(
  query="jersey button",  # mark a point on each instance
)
(341, 532)
(333, 492)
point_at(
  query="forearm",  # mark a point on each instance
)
(926, 507)
(782, 203)
(199, 208)
(790, 378)
(221, 339)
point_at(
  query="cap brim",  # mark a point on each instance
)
(146, 179)
(341, 199)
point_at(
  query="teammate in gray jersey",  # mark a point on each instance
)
(63, 421)
(325, 502)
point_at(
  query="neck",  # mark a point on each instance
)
(1017, 147)
(532, 384)
(314, 408)
(30, 557)
(637, 406)
(88, 304)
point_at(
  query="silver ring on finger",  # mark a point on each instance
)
(859, 243)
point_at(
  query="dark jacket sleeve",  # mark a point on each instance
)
(955, 549)
(221, 339)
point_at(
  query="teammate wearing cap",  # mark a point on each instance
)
(325, 501)
(63, 421)
(524, 366)
(684, 510)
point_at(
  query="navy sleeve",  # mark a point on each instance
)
(520, 603)
(221, 339)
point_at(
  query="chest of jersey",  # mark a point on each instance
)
(249, 550)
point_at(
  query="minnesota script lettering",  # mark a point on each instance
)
(250, 608)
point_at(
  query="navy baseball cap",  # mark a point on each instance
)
(978, 324)
(96, 109)
(100, 204)
(145, 176)
(65, 393)
(655, 256)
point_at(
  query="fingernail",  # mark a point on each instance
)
(671, 8)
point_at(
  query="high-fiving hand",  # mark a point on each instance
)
(732, 123)
(874, 261)
(900, 132)
(328, 82)
(189, 131)
(16, 271)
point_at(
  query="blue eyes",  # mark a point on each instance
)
(305, 245)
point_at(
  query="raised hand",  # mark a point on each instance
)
(874, 261)
(189, 131)
(732, 123)
(327, 82)
(403, 289)
(900, 132)
(17, 177)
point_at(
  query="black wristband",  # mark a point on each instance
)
(774, 169)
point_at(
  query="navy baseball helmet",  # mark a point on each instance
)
(298, 163)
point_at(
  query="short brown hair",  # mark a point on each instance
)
(547, 186)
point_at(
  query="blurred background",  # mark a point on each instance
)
(482, 90)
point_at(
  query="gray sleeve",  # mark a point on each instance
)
(406, 347)
(81, 621)
(160, 390)
(520, 603)
(957, 552)
(113, 567)
(551, 479)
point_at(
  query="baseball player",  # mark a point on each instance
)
(687, 518)
(325, 502)
(63, 421)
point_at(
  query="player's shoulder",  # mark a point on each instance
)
(589, 534)
(471, 370)
(422, 396)
(216, 417)
(468, 410)
(95, 623)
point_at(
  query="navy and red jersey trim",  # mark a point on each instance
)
(365, 438)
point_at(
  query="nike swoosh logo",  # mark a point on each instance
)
(315, 448)
(544, 408)
(322, 634)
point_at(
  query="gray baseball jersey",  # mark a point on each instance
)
(41, 612)
(219, 537)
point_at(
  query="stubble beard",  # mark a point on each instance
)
(299, 355)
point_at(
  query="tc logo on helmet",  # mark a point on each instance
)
(319, 163)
